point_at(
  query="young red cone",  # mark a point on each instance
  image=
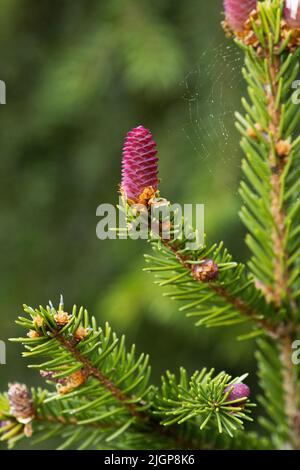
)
(139, 164)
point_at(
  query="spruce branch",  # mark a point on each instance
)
(214, 288)
(270, 40)
(271, 66)
(53, 420)
(244, 309)
(204, 397)
(217, 290)
(102, 392)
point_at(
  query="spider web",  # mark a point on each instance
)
(212, 94)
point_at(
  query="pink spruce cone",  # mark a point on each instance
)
(239, 390)
(292, 13)
(237, 12)
(139, 163)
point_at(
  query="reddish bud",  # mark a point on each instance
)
(238, 391)
(206, 271)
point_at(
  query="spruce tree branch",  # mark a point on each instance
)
(64, 331)
(281, 288)
(267, 127)
(147, 418)
(168, 433)
(76, 351)
(239, 304)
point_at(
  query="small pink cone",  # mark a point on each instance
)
(239, 390)
(139, 163)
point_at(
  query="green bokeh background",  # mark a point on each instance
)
(79, 75)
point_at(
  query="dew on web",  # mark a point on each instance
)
(211, 97)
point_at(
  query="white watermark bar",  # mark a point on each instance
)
(2, 92)
(2, 352)
(296, 353)
(161, 220)
(296, 93)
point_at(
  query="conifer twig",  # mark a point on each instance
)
(238, 303)
(277, 164)
(92, 371)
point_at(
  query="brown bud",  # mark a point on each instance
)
(228, 30)
(28, 430)
(206, 271)
(33, 334)
(38, 321)
(283, 148)
(20, 401)
(81, 333)
(147, 194)
(292, 35)
(62, 318)
(251, 132)
(72, 382)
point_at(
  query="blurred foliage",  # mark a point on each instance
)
(79, 75)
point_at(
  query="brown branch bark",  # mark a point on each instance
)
(277, 164)
(92, 371)
(281, 333)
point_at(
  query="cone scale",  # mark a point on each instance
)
(237, 12)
